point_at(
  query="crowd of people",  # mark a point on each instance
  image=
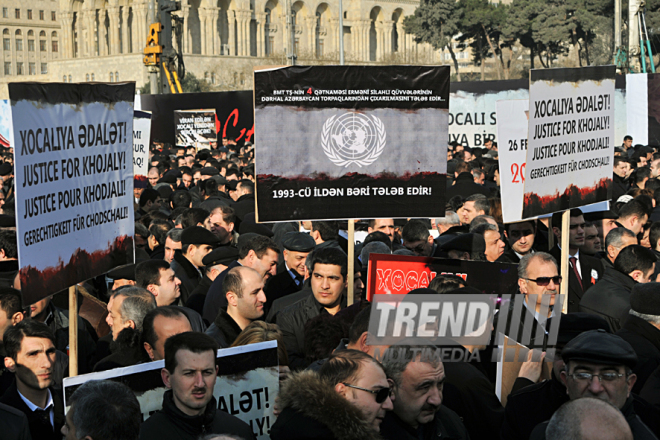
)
(208, 276)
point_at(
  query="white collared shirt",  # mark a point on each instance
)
(577, 261)
(49, 404)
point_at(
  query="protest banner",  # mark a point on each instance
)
(399, 274)
(5, 124)
(342, 142)
(234, 113)
(512, 148)
(571, 139)
(246, 386)
(511, 357)
(74, 182)
(195, 128)
(141, 134)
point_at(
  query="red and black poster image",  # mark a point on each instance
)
(338, 142)
(399, 274)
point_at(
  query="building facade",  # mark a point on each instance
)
(222, 40)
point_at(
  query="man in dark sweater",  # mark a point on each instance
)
(189, 408)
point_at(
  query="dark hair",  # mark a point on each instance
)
(377, 236)
(180, 199)
(247, 185)
(27, 328)
(192, 341)
(228, 213)
(415, 230)
(633, 208)
(446, 283)
(360, 325)
(322, 335)
(148, 332)
(642, 173)
(232, 172)
(159, 229)
(627, 138)
(104, 409)
(634, 257)
(480, 203)
(210, 187)
(344, 366)
(654, 234)
(10, 302)
(328, 230)
(330, 255)
(148, 272)
(148, 195)
(507, 226)
(193, 216)
(556, 217)
(619, 159)
(260, 245)
(461, 167)
(8, 243)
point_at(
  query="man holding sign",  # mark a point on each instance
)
(189, 408)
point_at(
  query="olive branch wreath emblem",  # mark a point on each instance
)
(335, 158)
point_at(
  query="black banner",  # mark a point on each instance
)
(339, 142)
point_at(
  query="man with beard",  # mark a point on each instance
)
(189, 408)
(127, 306)
(244, 290)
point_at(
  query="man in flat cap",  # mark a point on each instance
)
(642, 330)
(196, 243)
(297, 245)
(215, 262)
(599, 365)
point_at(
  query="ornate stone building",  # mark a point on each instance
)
(102, 40)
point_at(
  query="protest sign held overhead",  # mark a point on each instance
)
(195, 128)
(246, 386)
(571, 139)
(512, 145)
(337, 142)
(141, 133)
(399, 274)
(74, 182)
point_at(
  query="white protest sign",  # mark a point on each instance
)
(74, 182)
(512, 149)
(571, 139)
(246, 387)
(141, 138)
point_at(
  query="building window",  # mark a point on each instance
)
(19, 44)
(29, 14)
(53, 16)
(32, 69)
(7, 68)
(92, 77)
(44, 68)
(212, 77)
(64, 78)
(5, 13)
(55, 46)
(19, 69)
(111, 77)
(42, 45)
(17, 13)
(87, 77)
(41, 15)
(116, 76)
(30, 45)
(6, 44)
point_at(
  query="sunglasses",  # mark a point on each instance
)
(381, 394)
(544, 281)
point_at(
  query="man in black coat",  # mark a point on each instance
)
(189, 408)
(464, 185)
(328, 283)
(196, 243)
(521, 239)
(642, 331)
(610, 298)
(583, 270)
(30, 355)
(620, 184)
(13, 424)
(297, 245)
(245, 202)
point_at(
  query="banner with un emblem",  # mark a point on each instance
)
(341, 142)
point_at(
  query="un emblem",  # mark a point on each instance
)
(353, 138)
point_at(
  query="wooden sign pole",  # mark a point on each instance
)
(73, 331)
(351, 261)
(565, 232)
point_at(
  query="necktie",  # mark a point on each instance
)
(573, 261)
(43, 415)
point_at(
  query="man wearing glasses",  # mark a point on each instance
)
(599, 365)
(348, 398)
